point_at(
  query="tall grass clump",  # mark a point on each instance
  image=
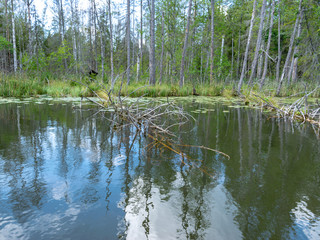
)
(19, 86)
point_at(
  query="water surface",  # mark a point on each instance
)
(65, 173)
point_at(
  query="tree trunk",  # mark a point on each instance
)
(111, 45)
(94, 16)
(268, 46)
(162, 47)
(28, 3)
(128, 41)
(239, 45)
(90, 37)
(260, 61)
(62, 31)
(244, 65)
(141, 37)
(258, 44)
(74, 35)
(102, 47)
(232, 60)
(222, 45)
(279, 45)
(138, 58)
(185, 45)
(212, 42)
(152, 77)
(15, 61)
(133, 34)
(294, 58)
(7, 53)
(284, 71)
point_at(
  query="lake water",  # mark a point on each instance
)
(65, 173)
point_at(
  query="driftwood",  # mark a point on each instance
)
(299, 110)
(155, 120)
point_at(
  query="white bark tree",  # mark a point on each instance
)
(128, 40)
(244, 65)
(264, 74)
(185, 45)
(14, 43)
(285, 67)
(152, 60)
(258, 44)
(212, 42)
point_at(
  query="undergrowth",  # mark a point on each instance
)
(21, 85)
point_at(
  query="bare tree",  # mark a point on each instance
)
(294, 67)
(141, 36)
(244, 65)
(285, 70)
(185, 45)
(221, 56)
(258, 44)
(28, 3)
(15, 61)
(268, 45)
(152, 79)
(111, 44)
(162, 47)
(279, 44)
(128, 40)
(74, 39)
(212, 42)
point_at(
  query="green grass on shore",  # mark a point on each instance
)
(22, 86)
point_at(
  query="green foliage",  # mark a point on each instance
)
(4, 44)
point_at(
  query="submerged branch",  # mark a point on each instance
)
(298, 110)
(155, 120)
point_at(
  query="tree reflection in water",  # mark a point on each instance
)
(66, 174)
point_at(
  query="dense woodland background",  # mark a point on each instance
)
(196, 42)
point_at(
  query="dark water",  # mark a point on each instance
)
(66, 174)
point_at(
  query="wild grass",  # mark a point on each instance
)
(22, 85)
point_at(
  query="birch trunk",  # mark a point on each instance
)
(128, 41)
(295, 59)
(141, 37)
(232, 60)
(285, 70)
(162, 47)
(29, 2)
(212, 42)
(239, 45)
(152, 79)
(111, 44)
(15, 61)
(74, 35)
(62, 29)
(268, 46)
(279, 45)
(7, 53)
(258, 44)
(185, 45)
(244, 65)
(260, 61)
(221, 56)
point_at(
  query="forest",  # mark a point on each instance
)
(223, 45)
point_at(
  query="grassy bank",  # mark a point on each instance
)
(22, 86)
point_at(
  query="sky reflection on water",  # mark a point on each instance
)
(67, 175)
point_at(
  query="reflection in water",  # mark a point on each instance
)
(65, 173)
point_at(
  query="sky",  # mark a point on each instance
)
(82, 4)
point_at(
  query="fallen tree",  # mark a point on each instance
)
(156, 120)
(299, 110)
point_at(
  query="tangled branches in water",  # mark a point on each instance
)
(300, 110)
(156, 120)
